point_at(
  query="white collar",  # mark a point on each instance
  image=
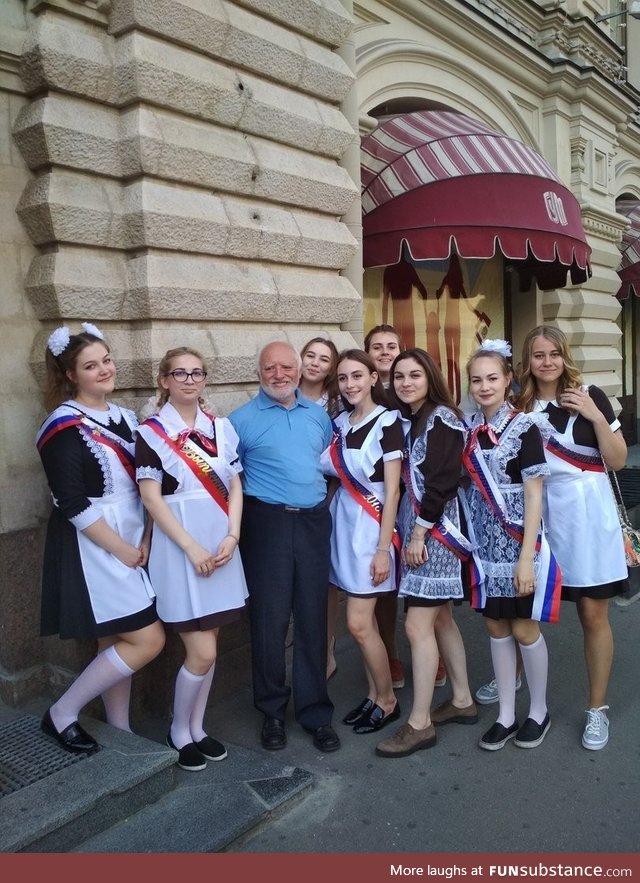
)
(112, 413)
(174, 424)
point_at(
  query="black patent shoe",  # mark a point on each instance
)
(377, 719)
(359, 713)
(73, 738)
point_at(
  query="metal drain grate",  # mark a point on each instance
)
(27, 755)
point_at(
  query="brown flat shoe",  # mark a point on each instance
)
(448, 713)
(406, 740)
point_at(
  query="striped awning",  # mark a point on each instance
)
(629, 271)
(437, 182)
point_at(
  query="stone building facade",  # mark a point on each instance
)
(187, 171)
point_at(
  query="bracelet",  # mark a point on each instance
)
(234, 537)
(382, 549)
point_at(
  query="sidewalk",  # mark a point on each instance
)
(456, 797)
(452, 798)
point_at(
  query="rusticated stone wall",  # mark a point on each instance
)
(180, 182)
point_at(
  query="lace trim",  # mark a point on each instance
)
(535, 471)
(438, 589)
(501, 417)
(543, 423)
(447, 417)
(509, 447)
(99, 452)
(148, 472)
(130, 417)
(86, 518)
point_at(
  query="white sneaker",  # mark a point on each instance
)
(596, 732)
(487, 694)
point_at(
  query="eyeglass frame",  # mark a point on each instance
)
(187, 375)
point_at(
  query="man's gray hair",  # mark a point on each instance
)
(295, 352)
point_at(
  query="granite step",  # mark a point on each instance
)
(51, 800)
(130, 796)
(210, 810)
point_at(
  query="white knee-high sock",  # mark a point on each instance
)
(116, 704)
(535, 661)
(503, 655)
(106, 670)
(196, 721)
(186, 695)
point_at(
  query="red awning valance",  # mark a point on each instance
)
(629, 271)
(438, 182)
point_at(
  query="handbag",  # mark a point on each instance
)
(630, 536)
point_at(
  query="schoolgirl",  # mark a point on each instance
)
(382, 343)
(188, 473)
(318, 380)
(578, 505)
(365, 456)
(433, 549)
(504, 457)
(93, 581)
(318, 383)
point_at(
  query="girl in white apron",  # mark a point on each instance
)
(94, 584)
(365, 455)
(579, 509)
(188, 473)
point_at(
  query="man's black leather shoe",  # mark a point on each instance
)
(273, 736)
(326, 739)
(73, 738)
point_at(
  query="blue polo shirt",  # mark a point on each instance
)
(280, 450)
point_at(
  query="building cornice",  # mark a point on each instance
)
(603, 223)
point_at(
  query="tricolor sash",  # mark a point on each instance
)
(57, 426)
(193, 459)
(95, 431)
(584, 461)
(446, 532)
(546, 601)
(364, 497)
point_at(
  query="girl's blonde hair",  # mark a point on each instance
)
(501, 359)
(165, 367)
(570, 378)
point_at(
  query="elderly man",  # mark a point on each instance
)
(285, 547)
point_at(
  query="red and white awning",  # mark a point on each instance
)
(435, 182)
(629, 271)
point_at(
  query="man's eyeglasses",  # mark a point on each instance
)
(181, 376)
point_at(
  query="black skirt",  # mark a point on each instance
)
(65, 605)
